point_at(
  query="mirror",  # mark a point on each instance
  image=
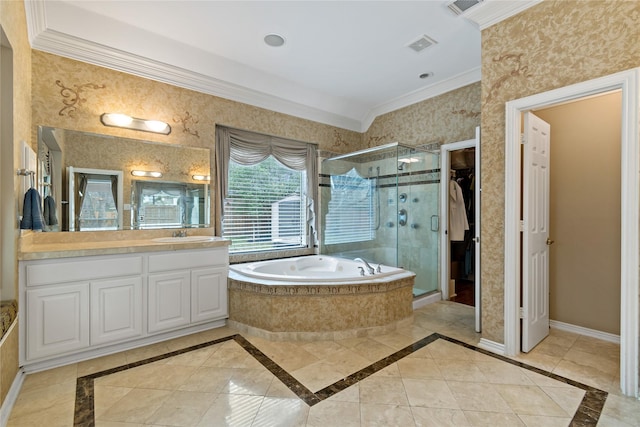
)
(168, 204)
(86, 182)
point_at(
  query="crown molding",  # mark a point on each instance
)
(453, 83)
(36, 18)
(490, 12)
(62, 44)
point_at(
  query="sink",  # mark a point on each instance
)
(187, 239)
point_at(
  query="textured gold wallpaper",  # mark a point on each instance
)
(551, 45)
(70, 94)
(12, 19)
(446, 118)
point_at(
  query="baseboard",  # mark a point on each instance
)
(604, 336)
(491, 346)
(12, 396)
(427, 299)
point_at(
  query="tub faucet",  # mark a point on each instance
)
(181, 233)
(370, 269)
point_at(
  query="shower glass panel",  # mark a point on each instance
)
(382, 205)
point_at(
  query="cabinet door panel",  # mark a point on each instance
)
(116, 309)
(169, 303)
(57, 320)
(208, 294)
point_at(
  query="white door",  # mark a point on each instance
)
(535, 236)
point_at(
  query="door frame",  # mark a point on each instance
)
(629, 84)
(445, 264)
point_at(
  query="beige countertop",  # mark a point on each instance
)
(34, 246)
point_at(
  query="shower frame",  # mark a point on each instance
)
(401, 172)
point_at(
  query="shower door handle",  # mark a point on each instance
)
(435, 222)
(402, 217)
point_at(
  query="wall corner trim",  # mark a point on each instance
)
(491, 346)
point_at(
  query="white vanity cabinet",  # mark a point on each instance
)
(67, 300)
(59, 320)
(187, 288)
(79, 307)
(116, 309)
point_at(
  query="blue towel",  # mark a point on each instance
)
(32, 211)
(50, 211)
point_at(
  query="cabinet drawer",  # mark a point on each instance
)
(180, 260)
(66, 271)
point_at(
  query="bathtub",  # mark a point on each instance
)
(313, 269)
(317, 297)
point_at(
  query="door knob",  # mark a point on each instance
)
(550, 242)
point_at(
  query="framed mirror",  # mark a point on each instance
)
(87, 182)
(168, 204)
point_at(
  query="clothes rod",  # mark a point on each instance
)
(25, 172)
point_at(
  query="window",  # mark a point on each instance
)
(350, 216)
(267, 191)
(263, 209)
(98, 210)
(95, 201)
(168, 204)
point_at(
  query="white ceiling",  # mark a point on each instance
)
(343, 63)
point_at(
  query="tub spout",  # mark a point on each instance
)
(370, 269)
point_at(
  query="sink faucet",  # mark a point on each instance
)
(181, 233)
(370, 269)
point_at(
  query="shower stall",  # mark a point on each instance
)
(382, 205)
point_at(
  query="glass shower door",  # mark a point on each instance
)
(382, 205)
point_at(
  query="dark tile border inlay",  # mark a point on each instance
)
(587, 413)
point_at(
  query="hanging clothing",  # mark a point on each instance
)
(50, 211)
(32, 211)
(458, 223)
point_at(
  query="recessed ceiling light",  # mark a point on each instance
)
(425, 75)
(274, 40)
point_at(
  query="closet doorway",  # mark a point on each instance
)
(460, 218)
(628, 82)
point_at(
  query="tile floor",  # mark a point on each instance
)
(427, 374)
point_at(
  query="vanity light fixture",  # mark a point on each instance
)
(149, 174)
(201, 177)
(128, 122)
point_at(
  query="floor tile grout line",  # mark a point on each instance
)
(360, 375)
(526, 366)
(158, 357)
(590, 408)
(84, 412)
(587, 413)
(285, 377)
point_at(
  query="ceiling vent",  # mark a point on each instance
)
(422, 43)
(461, 6)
